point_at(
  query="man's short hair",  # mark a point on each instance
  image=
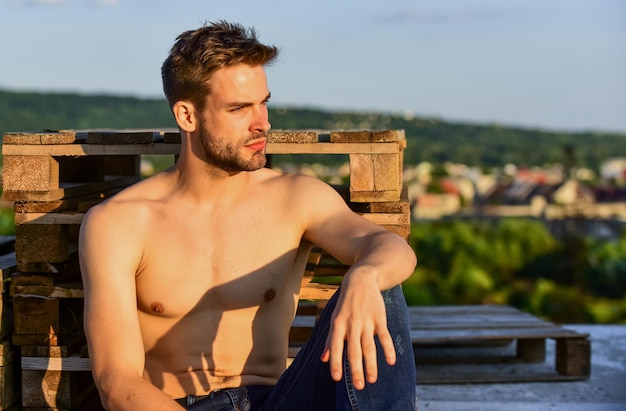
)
(197, 54)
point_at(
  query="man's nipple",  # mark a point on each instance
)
(156, 308)
(269, 295)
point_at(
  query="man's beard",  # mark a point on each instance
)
(226, 157)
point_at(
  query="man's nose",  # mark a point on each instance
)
(261, 121)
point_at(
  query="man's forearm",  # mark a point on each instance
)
(133, 393)
(387, 256)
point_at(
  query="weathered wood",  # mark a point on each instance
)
(487, 328)
(41, 243)
(332, 148)
(531, 349)
(63, 290)
(64, 204)
(123, 165)
(35, 339)
(67, 190)
(91, 149)
(292, 136)
(375, 174)
(122, 137)
(42, 138)
(9, 387)
(70, 363)
(35, 315)
(314, 291)
(573, 356)
(46, 219)
(80, 169)
(367, 136)
(51, 389)
(39, 173)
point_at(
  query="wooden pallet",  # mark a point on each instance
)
(9, 359)
(53, 178)
(51, 166)
(448, 338)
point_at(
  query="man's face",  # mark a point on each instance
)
(233, 127)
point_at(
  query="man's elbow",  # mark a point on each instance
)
(410, 260)
(111, 384)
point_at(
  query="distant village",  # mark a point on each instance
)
(554, 193)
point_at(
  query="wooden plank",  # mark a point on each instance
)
(68, 190)
(38, 173)
(481, 377)
(46, 389)
(387, 218)
(9, 387)
(64, 204)
(122, 165)
(91, 149)
(66, 217)
(374, 196)
(461, 320)
(80, 169)
(122, 137)
(76, 347)
(36, 315)
(531, 349)
(41, 243)
(573, 356)
(292, 136)
(367, 136)
(446, 310)
(161, 148)
(456, 336)
(35, 339)
(72, 363)
(375, 173)
(314, 291)
(332, 148)
(63, 290)
(42, 138)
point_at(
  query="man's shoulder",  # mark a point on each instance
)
(292, 180)
(129, 205)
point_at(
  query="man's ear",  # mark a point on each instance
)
(185, 115)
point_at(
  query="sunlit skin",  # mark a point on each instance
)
(192, 276)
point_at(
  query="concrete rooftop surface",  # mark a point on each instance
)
(604, 390)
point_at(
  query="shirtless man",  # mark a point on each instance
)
(192, 276)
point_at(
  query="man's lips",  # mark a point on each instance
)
(257, 145)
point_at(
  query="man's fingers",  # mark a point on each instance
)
(335, 344)
(387, 344)
(369, 356)
(355, 358)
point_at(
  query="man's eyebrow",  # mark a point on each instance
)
(235, 104)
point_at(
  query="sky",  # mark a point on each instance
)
(549, 64)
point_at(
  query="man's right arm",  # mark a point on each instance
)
(110, 252)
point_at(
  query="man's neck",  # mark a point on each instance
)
(205, 183)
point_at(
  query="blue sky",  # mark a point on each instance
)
(551, 64)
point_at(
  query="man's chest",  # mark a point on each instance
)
(220, 266)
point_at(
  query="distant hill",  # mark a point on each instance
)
(434, 140)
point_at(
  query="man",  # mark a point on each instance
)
(192, 276)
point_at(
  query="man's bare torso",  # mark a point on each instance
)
(216, 285)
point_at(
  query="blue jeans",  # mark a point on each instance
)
(307, 385)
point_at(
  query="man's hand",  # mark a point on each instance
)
(358, 317)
